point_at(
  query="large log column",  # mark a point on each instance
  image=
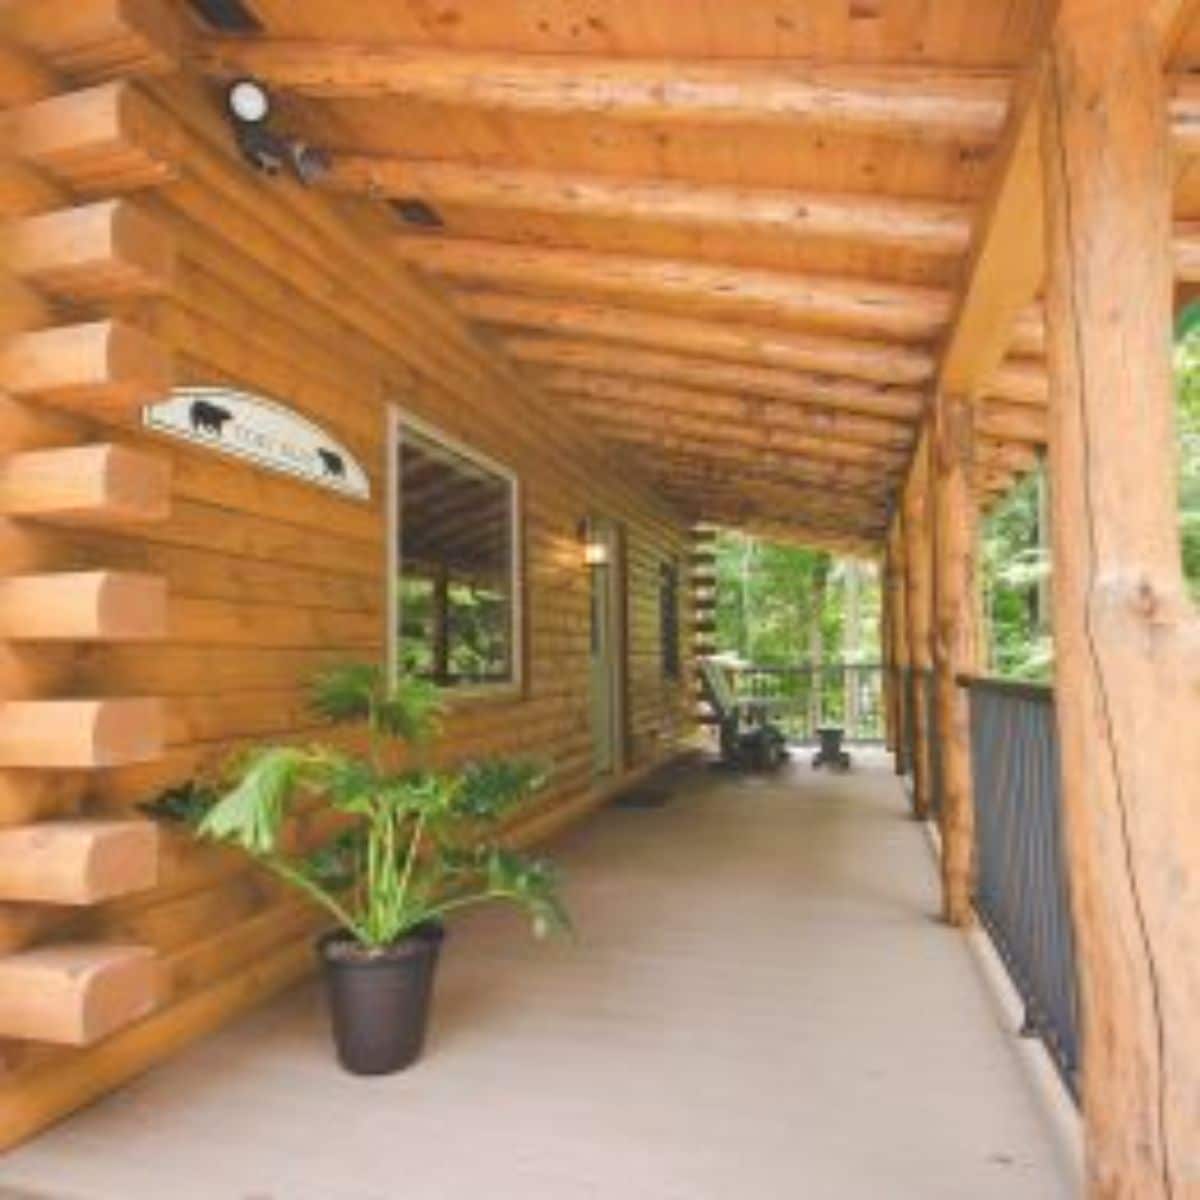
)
(1128, 641)
(918, 604)
(955, 645)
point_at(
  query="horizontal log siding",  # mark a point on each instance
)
(268, 579)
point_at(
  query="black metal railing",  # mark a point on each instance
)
(1022, 888)
(802, 698)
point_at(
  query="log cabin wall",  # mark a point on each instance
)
(163, 605)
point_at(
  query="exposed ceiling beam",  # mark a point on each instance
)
(601, 414)
(920, 226)
(876, 362)
(1018, 380)
(704, 474)
(1007, 261)
(717, 451)
(736, 410)
(702, 289)
(871, 399)
(963, 107)
(1005, 267)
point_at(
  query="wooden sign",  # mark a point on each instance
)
(260, 431)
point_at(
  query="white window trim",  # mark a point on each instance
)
(398, 419)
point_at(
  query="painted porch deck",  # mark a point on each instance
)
(759, 1006)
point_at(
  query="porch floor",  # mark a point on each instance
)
(759, 1005)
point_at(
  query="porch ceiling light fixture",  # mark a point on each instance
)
(249, 109)
(249, 102)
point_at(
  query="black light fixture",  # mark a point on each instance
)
(228, 16)
(248, 104)
(412, 210)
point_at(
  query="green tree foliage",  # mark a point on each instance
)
(783, 605)
(1187, 375)
(1016, 562)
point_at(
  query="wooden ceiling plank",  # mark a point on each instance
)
(877, 362)
(956, 106)
(719, 450)
(921, 226)
(745, 433)
(878, 400)
(631, 395)
(904, 313)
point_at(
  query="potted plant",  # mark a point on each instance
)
(416, 845)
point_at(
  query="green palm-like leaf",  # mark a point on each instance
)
(417, 846)
(251, 814)
(490, 788)
(410, 709)
(346, 693)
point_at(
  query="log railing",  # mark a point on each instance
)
(1021, 891)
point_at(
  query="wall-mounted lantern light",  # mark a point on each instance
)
(595, 547)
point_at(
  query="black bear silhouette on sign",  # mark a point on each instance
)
(333, 463)
(208, 418)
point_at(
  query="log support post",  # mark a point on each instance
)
(955, 644)
(1127, 639)
(918, 605)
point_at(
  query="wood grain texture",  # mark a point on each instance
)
(86, 485)
(81, 734)
(962, 108)
(75, 994)
(77, 862)
(956, 535)
(1127, 637)
(83, 606)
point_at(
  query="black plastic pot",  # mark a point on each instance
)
(379, 999)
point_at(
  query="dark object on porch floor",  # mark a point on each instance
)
(830, 752)
(749, 739)
(647, 796)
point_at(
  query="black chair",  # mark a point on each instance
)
(749, 739)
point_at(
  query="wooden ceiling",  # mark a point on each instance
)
(742, 242)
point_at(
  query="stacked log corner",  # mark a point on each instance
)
(68, 369)
(171, 260)
(702, 581)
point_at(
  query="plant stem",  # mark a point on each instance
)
(440, 910)
(411, 857)
(322, 897)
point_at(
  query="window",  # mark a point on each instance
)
(455, 593)
(668, 605)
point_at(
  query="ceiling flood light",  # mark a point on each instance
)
(249, 102)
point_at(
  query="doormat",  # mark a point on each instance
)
(644, 797)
